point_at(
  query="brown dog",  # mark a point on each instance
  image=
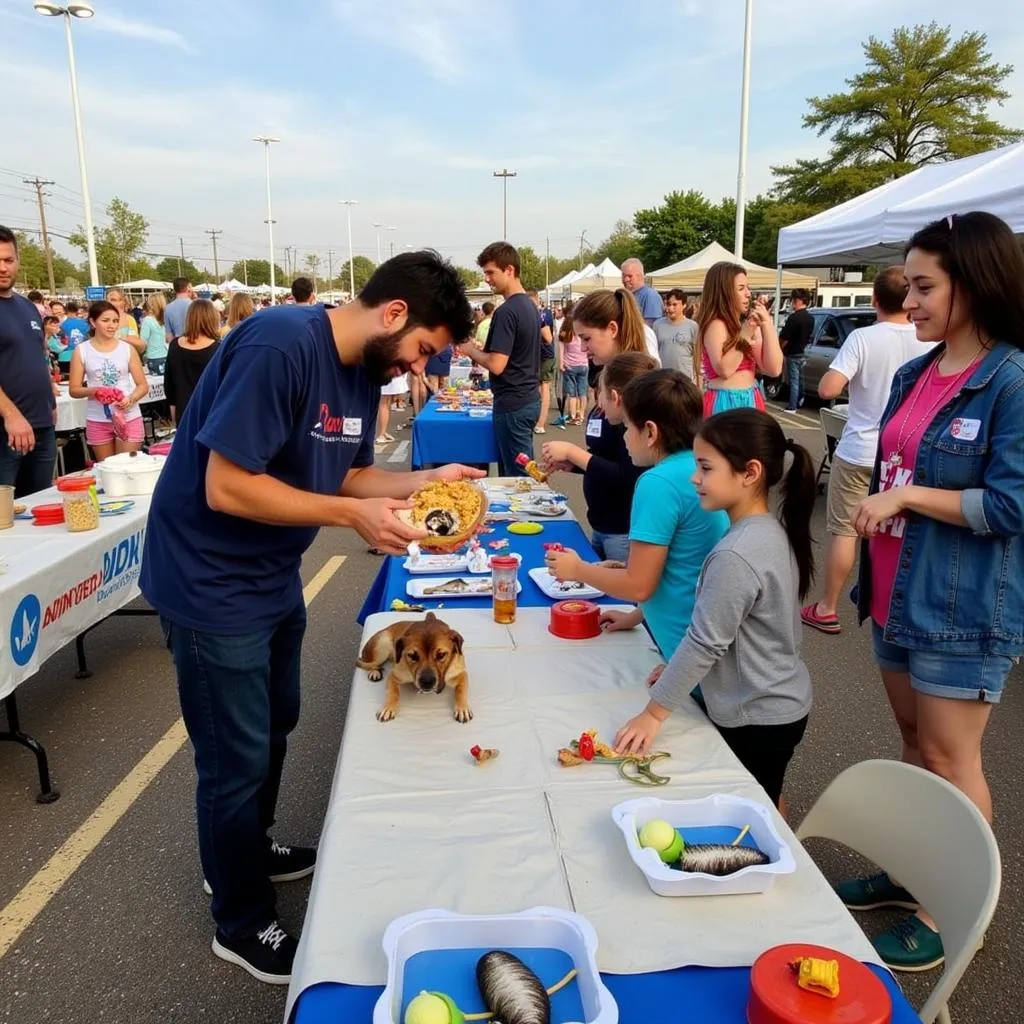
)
(426, 654)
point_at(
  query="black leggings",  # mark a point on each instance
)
(765, 751)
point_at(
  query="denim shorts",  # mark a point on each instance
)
(941, 674)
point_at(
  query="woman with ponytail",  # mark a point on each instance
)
(743, 643)
(609, 322)
(736, 339)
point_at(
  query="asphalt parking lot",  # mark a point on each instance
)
(126, 937)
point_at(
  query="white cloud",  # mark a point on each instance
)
(143, 30)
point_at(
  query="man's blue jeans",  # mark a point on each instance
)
(795, 376)
(513, 432)
(240, 700)
(32, 471)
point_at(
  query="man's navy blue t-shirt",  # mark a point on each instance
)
(275, 399)
(24, 368)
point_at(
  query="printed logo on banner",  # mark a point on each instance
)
(121, 565)
(25, 629)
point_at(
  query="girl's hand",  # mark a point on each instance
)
(874, 510)
(612, 621)
(125, 403)
(612, 563)
(564, 565)
(655, 675)
(637, 735)
(556, 451)
(556, 467)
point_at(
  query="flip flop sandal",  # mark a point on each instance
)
(828, 624)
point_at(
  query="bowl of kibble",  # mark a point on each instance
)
(81, 506)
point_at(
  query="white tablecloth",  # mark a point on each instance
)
(57, 583)
(412, 823)
(71, 411)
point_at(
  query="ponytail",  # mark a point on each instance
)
(743, 436)
(631, 323)
(600, 308)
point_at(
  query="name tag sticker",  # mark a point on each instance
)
(964, 429)
(352, 426)
(594, 427)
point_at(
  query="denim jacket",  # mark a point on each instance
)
(961, 588)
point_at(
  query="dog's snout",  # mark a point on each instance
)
(427, 679)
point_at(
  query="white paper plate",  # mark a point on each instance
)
(436, 563)
(479, 586)
(561, 591)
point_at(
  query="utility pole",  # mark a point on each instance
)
(245, 272)
(181, 259)
(547, 268)
(330, 270)
(213, 233)
(504, 174)
(38, 184)
(582, 236)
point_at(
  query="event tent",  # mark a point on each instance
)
(874, 227)
(689, 273)
(604, 275)
(234, 285)
(564, 285)
(144, 285)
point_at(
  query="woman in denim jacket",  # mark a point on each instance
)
(942, 566)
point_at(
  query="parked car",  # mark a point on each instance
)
(831, 328)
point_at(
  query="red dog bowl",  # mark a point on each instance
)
(775, 997)
(47, 515)
(575, 620)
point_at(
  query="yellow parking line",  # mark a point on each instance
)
(32, 899)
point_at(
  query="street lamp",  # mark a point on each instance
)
(349, 203)
(267, 141)
(392, 227)
(76, 10)
(504, 174)
(741, 176)
(377, 225)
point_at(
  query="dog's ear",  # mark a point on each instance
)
(399, 647)
(456, 639)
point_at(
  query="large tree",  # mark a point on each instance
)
(257, 272)
(620, 245)
(922, 98)
(117, 245)
(683, 224)
(363, 268)
(33, 274)
(171, 267)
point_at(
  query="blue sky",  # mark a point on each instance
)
(409, 105)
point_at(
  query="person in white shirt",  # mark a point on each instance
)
(867, 362)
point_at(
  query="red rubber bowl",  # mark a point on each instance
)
(47, 515)
(75, 483)
(776, 998)
(575, 620)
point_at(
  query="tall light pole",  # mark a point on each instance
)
(504, 174)
(741, 177)
(348, 204)
(377, 226)
(392, 227)
(76, 10)
(267, 141)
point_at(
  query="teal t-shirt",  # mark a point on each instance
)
(155, 337)
(666, 511)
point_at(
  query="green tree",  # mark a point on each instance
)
(363, 267)
(33, 267)
(620, 245)
(258, 272)
(683, 224)
(171, 267)
(470, 276)
(764, 219)
(118, 244)
(922, 98)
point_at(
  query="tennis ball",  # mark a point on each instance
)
(661, 836)
(433, 1008)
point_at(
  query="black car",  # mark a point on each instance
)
(831, 328)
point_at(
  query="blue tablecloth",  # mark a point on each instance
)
(706, 994)
(392, 578)
(442, 437)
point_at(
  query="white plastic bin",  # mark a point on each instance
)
(721, 809)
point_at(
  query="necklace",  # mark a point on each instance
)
(896, 459)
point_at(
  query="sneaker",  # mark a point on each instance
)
(267, 956)
(875, 892)
(284, 864)
(910, 946)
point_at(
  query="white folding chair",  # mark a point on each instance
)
(923, 831)
(832, 427)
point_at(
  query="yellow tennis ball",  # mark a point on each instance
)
(657, 834)
(433, 1008)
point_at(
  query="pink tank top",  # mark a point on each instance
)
(747, 363)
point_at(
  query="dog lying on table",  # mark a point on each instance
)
(426, 654)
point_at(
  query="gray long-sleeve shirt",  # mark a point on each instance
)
(743, 643)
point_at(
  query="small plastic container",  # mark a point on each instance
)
(574, 619)
(81, 510)
(504, 586)
(47, 515)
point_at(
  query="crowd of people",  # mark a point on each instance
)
(682, 470)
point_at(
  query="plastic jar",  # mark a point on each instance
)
(81, 510)
(504, 579)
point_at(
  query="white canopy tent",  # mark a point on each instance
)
(874, 227)
(690, 273)
(234, 285)
(564, 285)
(144, 285)
(604, 275)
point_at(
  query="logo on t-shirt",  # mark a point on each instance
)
(35, 325)
(332, 429)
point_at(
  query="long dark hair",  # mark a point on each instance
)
(984, 260)
(669, 400)
(747, 435)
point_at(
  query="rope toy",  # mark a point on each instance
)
(632, 768)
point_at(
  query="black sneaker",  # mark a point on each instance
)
(267, 956)
(284, 864)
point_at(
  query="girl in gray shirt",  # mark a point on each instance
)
(743, 642)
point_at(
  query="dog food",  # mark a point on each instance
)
(81, 511)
